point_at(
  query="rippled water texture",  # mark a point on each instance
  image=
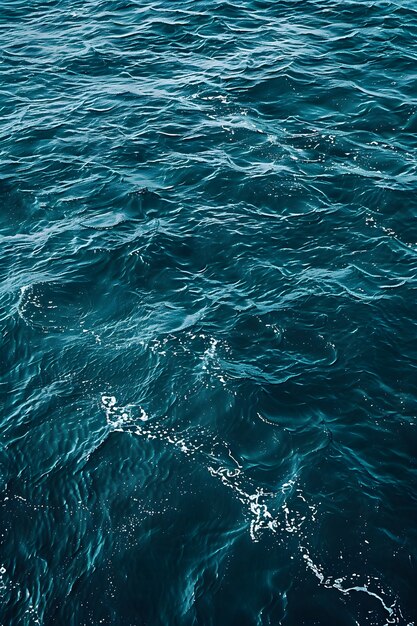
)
(208, 311)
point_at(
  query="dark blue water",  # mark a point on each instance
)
(208, 257)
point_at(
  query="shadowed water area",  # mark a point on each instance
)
(208, 358)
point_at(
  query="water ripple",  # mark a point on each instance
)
(207, 305)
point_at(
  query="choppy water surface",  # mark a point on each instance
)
(208, 312)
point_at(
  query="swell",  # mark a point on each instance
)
(207, 305)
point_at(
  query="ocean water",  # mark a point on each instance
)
(208, 362)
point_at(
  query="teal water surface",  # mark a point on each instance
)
(208, 362)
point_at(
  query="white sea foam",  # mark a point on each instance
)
(22, 304)
(329, 582)
(268, 511)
